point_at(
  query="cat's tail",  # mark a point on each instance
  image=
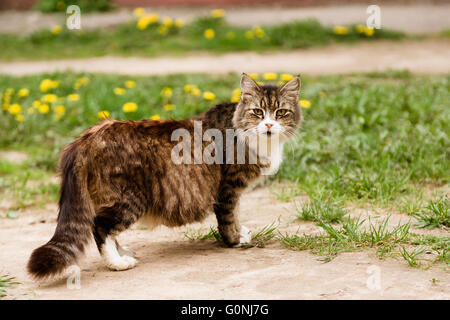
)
(75, 220)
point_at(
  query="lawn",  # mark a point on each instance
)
(151, 35)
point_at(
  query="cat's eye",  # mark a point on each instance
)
(258, 112)
(281, 113)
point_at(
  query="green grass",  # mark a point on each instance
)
(127, 40)
(321, 209)
(435, 215)
(6, 281)
(375, 137)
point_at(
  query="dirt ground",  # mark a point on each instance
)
(174, 267)
(414, 18)
(431, 56)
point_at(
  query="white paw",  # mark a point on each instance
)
(125, 251)
(121, 263)
(246, 235)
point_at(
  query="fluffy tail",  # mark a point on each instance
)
(75, 221)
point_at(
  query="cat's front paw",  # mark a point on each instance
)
(229, 235)
(245, 235)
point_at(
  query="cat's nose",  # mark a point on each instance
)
(269, 125)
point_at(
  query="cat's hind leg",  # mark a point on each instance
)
(108, 223)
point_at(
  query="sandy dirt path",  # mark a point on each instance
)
(173, 267)
(427, 56)
(414, 18)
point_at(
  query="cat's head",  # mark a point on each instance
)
(268, 110)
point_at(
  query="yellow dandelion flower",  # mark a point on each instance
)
(15, 108)
(260, 83)
(73, 97)
(138, 12)
(270, 76)
(36, 104)
(340, 30)
(254, 76)
(230, 35)
(209, 33)
(304, 103)
(5, 107)
(44, 108)
(129, 107)
(155, 117)
(179, 22)
(369, 32)
(236, 95)
(60, 110)
(286, 76)
(166, 92)
(50, 97)
(218, 13)
(80, 82)
(19, 118)
(360, 28)
(119, 91)
(103, 114)
(258, 32)
(163, 30)
(208, 95)
(196, 92)
(130, 84)
(167, 21)
(188, 88)
(30, 110)
(56, 30)
(249, 34)
(143, 23)
(23, 93)
(46, 85)
(169, 106)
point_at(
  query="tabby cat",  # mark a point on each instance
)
(118, 172)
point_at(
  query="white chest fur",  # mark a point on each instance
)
(272, 150)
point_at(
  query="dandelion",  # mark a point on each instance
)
(48, 84)
(103, 114)
(188, 88)
(5, 107)
(30, 110)
(56, 30)
(80, 82)
(286, 76)
(230, 35)
(369, 32)
(50, 98)
(196, 92)
(19, 118)
(44, 108)
(138, 12)
(254, 76)
(179, 22)
(129, 107)
(23, 93)
(155, 117)
(259, 33)
(270, 76)
(209, 33)
(207, 95)
(142, 23)
(304, 103)
(169, 106)
(73, 97)
(36, 104)
(360, 28)
(163, 30)
(340, 30)
(119, 91)
(15, 109)
(218, 13)
(166, 92)
(167, 21)
(236, 95)
(249, 35)
(260, 83)
(60, 110)
(130, 84)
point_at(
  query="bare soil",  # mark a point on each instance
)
(427, 56)
(174, 267)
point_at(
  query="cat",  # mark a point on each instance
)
(118, 172)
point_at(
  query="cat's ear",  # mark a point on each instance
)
(248, 86)
(291, 88)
